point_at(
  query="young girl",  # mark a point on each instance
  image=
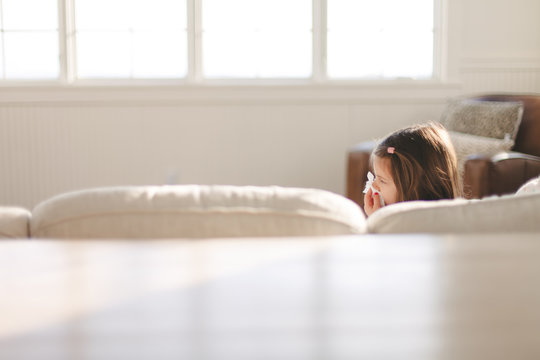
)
(414, 163)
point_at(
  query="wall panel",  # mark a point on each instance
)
(50, 148)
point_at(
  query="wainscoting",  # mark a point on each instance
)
(58, 140)
(500, 75)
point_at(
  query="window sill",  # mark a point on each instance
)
(265, 92)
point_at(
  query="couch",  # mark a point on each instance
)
(496, 214)
(484, 175)
(199, 211)
(186, 211)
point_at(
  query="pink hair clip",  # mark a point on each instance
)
(390, 149)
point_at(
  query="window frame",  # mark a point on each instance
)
(194, 76)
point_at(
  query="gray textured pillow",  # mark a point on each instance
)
(494, 119)
(467, 144)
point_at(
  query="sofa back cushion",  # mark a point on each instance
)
(508, 213)
(195, 211)
(14, 222)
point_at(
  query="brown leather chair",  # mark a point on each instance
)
(501, 174)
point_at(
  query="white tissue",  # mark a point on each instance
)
(369, 185)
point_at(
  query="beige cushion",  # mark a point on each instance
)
(508, 213)
(495, 119)
(195, 211)
(14, 222)
(467, 144)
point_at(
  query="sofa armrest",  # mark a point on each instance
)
(14, 222)
(500, 174)
(358, 165)
(507, 213)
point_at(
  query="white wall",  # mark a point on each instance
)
(54, 140)
(500, 46)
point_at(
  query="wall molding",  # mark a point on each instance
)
(479, 64)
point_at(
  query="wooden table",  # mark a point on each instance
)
(356, 297)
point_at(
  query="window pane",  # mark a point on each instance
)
(30, 14)
(31, 55)
(257, 38)
(285, 55)
(102, 15)
(365, 40)
(229, 59)
(130, 14)
(158, 14)
(251, 55)
(131, 38)
(256, 14)
(103, 54)
(159, 55)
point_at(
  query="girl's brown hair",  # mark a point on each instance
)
(423, 162)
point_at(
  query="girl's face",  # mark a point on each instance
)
(384, 181)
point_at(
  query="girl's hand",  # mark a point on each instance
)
(372, 202)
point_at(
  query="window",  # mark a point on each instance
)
(380, 39)
(131, 38)
(29, 39)
(266, 39)
(198, 40)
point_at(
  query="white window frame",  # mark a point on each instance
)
(68, 63)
